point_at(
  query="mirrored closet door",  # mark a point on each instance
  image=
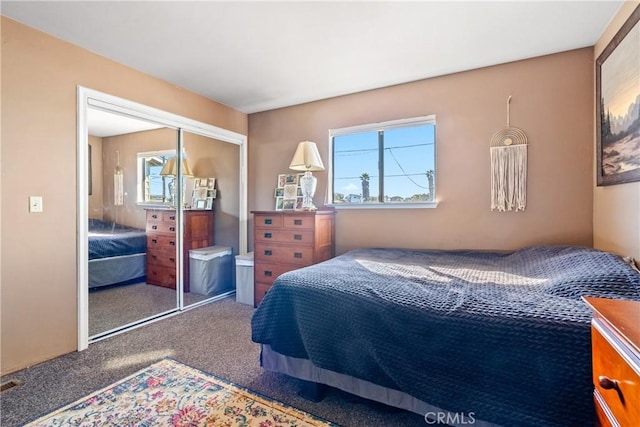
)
(176, 188)
(132, 240)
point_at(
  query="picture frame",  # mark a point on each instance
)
(288, 204)
(299, 203)
(290, 191)
(200, 204)
(209, 204)
(211, 183)
(617, 99)
(279, 192)
(279, 203)
(281, 180)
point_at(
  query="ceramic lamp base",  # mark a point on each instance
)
(308, 185)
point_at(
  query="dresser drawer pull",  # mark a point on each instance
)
(155, 227)
(154, 216)
(297, 254)
(268, 252)
(268, 273)
(607, 383)
(297, 222)
(172, 229)
(172, 243)
(267, 235)
(297, 237)
(268, 221)
(154, 257)
(154, 240)
(172, 217)
(172, 259)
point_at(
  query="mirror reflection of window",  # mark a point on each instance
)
(152, 186)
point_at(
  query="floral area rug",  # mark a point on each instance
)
(169, 393)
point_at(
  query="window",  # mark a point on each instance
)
(153, 187)
(390, 163)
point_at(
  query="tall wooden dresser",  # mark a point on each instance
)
(288, 240)
(615, 342)
(161, 243)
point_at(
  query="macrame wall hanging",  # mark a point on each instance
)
(118, 184)
(509, 168)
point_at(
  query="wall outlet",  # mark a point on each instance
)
(35, 203)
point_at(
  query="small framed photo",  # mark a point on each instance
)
(209, 204)
(291, 179)
(299, 192)
(300, 175)
(212, 193)
(211, 182)
(197, 182)
(289, 204)
(290, 191)
(279, 192)
(299, 203)
(200, 192)
(279, 203)
(281, 180)
(200, 204)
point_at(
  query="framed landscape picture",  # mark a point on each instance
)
(618, 106)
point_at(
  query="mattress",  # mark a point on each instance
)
(111, 239)
(503, 335)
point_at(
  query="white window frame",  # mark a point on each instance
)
(376, 127)
(140, 172)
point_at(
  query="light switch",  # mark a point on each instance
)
(35, 203)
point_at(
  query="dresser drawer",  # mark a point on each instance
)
(284, 236)
(259, 292)
(161, 227)
(161, 276)
(268, 221)
(266, 272)
(158, 241)
(161, 216)
(161, 258)
(297, 255)
(622, 399)
(299, 222)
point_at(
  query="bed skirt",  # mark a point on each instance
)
(109, 271)
(303, 369)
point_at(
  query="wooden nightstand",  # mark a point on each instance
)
(161, 243)
(288, 240)
(615, 337)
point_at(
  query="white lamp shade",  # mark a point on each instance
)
(170, 168)
(306, 158)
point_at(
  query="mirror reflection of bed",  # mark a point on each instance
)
(132, 249)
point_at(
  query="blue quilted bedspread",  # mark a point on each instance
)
(503, 335)
(108, 239)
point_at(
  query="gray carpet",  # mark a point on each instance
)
(114, 306)
(215, 338)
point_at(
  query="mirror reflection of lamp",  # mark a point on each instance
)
(307, 159)
(170, 169)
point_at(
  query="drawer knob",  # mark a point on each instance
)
(154, 216)
(297, 222)
(267, 273)
(297, 254)
(268, 252)
(172, 217)
(154, 240)
(268, 221)
(155, 227)
(267, 235)
(172, 243)
(297, 237)
(172, 229)
(607, 383)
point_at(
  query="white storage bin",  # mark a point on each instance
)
(211, 270)
(244, 278)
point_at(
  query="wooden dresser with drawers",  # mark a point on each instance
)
(161, 243)
(288, 240)
(615, 342)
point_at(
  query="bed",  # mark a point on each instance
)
(498, 338)
(117, 254)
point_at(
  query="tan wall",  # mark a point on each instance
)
(616, 208)
(129, 145)
(218, 159)
(95, 199)
(39, 78)
(552, 102)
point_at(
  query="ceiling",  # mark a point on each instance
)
(257, 56)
